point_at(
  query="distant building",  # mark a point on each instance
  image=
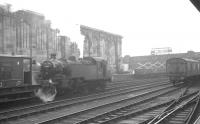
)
(75, 51)
(7, 30)
(65, 46)
(25, 32)
(68, 48)
(99, 43)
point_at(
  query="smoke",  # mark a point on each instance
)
(47, 92)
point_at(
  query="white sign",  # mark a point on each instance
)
(160, 51)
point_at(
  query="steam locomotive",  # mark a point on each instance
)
(61, 76)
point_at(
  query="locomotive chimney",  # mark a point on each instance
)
(53, 56)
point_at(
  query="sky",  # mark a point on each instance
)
(143, 24)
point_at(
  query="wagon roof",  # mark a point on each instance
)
(14, 56)
(94, 59)
(99, 58)
(192, 60)
(183, 59)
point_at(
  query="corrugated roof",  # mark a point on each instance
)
(14, 56)
(184, 59)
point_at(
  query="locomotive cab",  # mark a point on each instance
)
(101, 67)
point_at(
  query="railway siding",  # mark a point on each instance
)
(81, 108)
(64, 103)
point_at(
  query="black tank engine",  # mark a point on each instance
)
(86, 75)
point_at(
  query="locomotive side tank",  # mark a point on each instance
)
(92, 72)
(181, 69)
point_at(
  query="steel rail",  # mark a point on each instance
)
(69, 102)
(115, 115)
(109, 87)
(139, 80)
(174, 109)
(141, 98)
(197, 120)
(193, 115)
(173, 104)
(133, 82)
(155, 117)
(121, 113)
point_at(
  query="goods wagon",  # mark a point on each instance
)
(15, 71)
(15, 78)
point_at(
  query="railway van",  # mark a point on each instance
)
(15, 71)
(181, 69)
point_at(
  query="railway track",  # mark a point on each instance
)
(98, 106)
(111, 116)
(25, 96)
(80, 99)
(155, 113)
(135, 81)
(197, 121)
(181, 112)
